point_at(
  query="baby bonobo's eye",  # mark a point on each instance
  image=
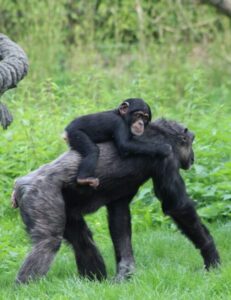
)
(137, 115)
(146, 118)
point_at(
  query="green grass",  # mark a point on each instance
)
(167, 267)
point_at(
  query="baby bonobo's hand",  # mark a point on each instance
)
(164, 150)
(91, 181)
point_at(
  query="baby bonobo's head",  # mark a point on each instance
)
(136, 113)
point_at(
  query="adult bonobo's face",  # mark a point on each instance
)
(185, 151)
(179, 137)
(137, 115)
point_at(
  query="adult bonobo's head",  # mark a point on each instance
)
(136, 113)
(181, 140)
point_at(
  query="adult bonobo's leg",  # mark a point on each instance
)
(45, 223)
(170, 189)
(88, 258)
(120, 229)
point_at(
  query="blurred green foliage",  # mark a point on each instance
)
(51, 30)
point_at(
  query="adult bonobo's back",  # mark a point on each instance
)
(40, 196)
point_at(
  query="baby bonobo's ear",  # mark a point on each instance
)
(123, 108)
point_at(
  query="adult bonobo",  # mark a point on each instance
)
(48, 218)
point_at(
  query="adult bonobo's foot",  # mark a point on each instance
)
(125, 271)
(14, 203)
(211, 256)
(91, 181)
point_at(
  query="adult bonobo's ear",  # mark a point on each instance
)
(123, 108)
(185, 130)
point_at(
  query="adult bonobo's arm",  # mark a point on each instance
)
(170, 189)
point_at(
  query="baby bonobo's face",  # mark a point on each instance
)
(139, 121)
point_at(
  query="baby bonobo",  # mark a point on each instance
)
(119, 125)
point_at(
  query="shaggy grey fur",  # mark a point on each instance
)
(13, 68)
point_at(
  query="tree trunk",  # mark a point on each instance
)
(13, 68)
(223, 5)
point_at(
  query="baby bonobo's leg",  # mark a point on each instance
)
(89, 151)
(86, 170)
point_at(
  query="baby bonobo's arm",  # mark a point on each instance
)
(127, 145)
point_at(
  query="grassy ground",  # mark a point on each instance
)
(167, 267)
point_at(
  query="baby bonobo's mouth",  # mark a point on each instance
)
(137, 130)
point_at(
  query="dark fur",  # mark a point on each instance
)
(48, 219)
(84, 132)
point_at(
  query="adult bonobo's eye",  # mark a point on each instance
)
(183, 139)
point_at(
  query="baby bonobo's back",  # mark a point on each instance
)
(98, 127)
(131, 118)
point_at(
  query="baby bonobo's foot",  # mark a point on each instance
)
(91, 181)
(14, 203)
